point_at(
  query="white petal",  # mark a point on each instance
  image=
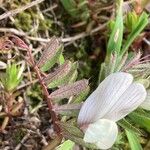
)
(103, 133)
(104, 97)
(2, 65)
(146, 103)
(129, 101)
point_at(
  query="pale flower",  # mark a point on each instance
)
(115, 97)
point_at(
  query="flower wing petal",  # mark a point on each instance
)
(103, 133)
(128, 102)
(104, 97)
(146, 103)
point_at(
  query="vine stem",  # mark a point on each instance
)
(46, 93)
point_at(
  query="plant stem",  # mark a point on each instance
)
(4, 124)
(46, 93)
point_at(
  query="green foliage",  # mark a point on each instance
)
(65, 78)
(70, 131)
(11, 79)
(142, 119)
(67, 145)
(114, 61)
(51, 62)
(117, 58)
(117, 54)
(45, 24)
(71, 128)
(79, 98)
(133, 139)
(70, 6)
(131, 20)
(115, 40)
(140, 25)
(78, 10)
(124, 123)
(35, 98)
(111, 25)
(135, 23)
(79, 140)
(61, 59)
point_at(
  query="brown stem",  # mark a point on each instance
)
(4, 124)
(46, 94)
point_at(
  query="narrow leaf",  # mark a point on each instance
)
(70, 90)
(115, 40)
(50, 51)
(67, 145)
(58, 75)
(70, 128)
(141, 119)
(68, 109)
(141, 24)
(79, 98)
(70, 77)
(124, 123)
(79, 140)
(133, 140)
(70, 6)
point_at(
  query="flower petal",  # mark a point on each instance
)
(103, 133)
(128, 102)
(104, 97)
(146, 103)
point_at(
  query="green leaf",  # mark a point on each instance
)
(142, 119)
(68, 78)
(115, 40)
(71, 128)
(131, 20)
(71, 110)
(69, 90)
(81, 96)
(67, 145)
(77, 9)
(111, 25)
(70, 6)
(49, 64)
(61, 59)
(58, 76)
(124, 123)
(141, 24)
(11, 78)
(102, 73)
(79, 141)
(133, 140)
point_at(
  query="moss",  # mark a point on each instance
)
(45, 24)
(24, 21)
(14, 4)
(18, 134)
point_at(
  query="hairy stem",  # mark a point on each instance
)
(45, 92)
